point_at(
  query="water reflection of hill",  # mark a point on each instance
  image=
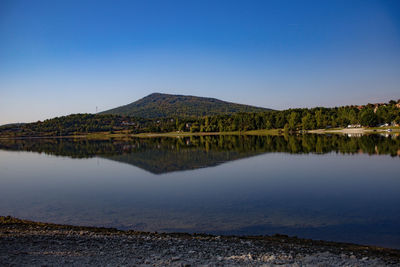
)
(160, 161)
(161, 155)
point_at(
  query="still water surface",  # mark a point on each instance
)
(321, 187)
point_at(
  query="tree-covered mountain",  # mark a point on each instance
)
(291, 120)
(159, 105)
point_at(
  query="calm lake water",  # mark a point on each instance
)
(322, 187)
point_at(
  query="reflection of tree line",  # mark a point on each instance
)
(160, 155)
(82, 148)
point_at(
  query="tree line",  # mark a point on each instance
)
(290, 120)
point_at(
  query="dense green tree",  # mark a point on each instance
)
(293, 121)
(308, 122)
(368, 117)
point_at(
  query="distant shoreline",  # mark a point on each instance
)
(122, 135)
(356, 130)
(24, 242)
(107, 135)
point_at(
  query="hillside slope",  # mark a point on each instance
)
(159, 105)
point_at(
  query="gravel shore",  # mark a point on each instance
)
(40, 244)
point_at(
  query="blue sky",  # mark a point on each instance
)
(62, 57)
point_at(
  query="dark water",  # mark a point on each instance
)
(321, 187)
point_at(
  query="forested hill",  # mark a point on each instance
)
(370, 115)
(159, 105)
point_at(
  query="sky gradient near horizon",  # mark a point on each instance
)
(63, 57)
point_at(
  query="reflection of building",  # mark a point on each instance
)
(127, 123)
(354, 134)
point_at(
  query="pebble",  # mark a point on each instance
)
(37, 246)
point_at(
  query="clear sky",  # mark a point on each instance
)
(62, 57)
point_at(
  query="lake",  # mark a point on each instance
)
(329, 187)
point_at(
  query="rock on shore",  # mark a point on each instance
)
(40, 244)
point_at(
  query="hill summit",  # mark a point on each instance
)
(158, 105)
